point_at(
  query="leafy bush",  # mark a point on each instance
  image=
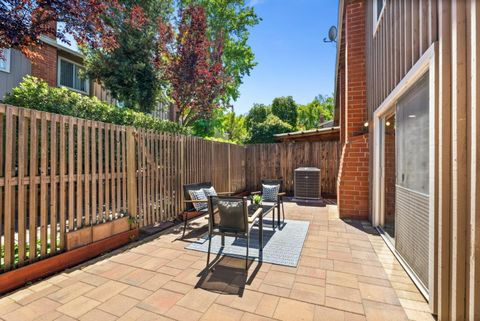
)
(263, 132)
(37, 94)
(285, 108)
(257, 114)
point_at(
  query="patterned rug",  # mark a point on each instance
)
(280, 246)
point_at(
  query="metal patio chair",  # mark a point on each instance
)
(228, 217)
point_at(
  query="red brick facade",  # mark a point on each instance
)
(353, 177)
(45, 65)
(352, 185)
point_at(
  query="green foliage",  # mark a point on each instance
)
(232, 19)
(313, 114)
(234, 127)
(257, 114)
(285, 108)
(257, 199)
(207, 127)
(263, 132)
(222, 126)
(16, 251)
(36, 94)
(128, 71)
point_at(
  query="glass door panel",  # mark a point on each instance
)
(389, 176)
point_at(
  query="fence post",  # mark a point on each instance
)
(229, 170)
(131, 173)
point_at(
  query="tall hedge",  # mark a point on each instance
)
(37, 94)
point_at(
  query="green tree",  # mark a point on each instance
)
(285, 108)
(209, 127)
(326, 106)
(231, 19)
(223, 125)
(263, 132)
(256, 115)
(234, 127)
(313, 114)
(127, 71)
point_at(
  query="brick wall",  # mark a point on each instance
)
(44, 66)
(353, 178)
(353, 181)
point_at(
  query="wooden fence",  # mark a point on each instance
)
(59, 174)
(169, 161)
(280, 161)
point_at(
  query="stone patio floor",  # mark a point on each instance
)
(346, 272)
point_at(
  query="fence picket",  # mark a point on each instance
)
(32, 210)
(8, 210)
(79, 171)
(21, 187)
(53, 184)
(62, 200)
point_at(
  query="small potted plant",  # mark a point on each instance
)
(257, 200)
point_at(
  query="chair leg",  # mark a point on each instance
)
(278, 215)
(273, 218)
(185, 220)
(246, 257)
(283, 211)
(209, 247)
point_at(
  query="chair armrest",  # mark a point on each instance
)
(255, 215)
(256, 192)
(195, 201)
(225, 193)
(282, 194)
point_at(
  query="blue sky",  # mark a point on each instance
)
(292, 58)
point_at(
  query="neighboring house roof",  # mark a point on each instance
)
(317, 134)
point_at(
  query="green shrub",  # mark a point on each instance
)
(37, 94)
(263, 132)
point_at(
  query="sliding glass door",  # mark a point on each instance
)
(405, 202)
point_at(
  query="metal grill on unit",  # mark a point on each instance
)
(307, 183)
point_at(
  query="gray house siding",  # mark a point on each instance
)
(20, 66)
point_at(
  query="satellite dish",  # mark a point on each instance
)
(332, 35)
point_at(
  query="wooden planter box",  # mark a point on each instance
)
(96, 233)
(18, 277)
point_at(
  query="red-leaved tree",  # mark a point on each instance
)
(22, 22)
(192, 64)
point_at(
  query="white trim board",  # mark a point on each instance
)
(426, 63)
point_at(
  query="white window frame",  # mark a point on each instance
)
(427, 63)
(7, 53)
(376, 16)
(59, 63)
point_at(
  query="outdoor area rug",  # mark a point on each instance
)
(281, 247)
